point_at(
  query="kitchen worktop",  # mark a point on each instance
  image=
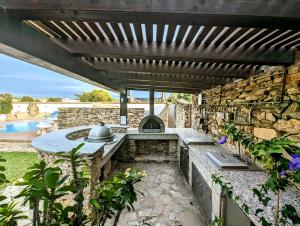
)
(241, 180)
(57, 141)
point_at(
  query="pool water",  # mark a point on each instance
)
(16, 127)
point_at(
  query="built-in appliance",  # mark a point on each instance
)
(184, 161)
(151, 124)
(226, 161)
(101, 133)
(202, 192)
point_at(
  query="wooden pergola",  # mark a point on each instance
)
(166, 45)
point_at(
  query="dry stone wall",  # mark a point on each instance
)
(266, 105)
(187, 114)
(147, 150)
(71, 117)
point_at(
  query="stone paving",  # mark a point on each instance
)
(167, 197)
(16, 147)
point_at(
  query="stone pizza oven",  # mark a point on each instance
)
(152, 124)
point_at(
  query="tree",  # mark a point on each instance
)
(97, 95)
(179, 96)
(26, 99)
(54, 99)
(5, 103)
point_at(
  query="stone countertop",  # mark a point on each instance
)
(186, 134)
(56, 141)
(241, 180)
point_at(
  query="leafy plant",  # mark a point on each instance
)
(8, 212)
(9, 215)
(79, 182)
(280, 157)
(115, 195)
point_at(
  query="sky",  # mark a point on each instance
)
(20, 78)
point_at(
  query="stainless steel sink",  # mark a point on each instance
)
(226, 161)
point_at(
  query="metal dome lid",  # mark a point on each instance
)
(100, 132)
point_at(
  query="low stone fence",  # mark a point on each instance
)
(72, 117)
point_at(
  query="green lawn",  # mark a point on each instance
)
(17, 164)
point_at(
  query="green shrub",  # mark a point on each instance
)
(5, 103)
(97, 95)
(54, 99)
(26, 99)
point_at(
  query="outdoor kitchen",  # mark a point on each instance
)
(195, 157)
(226, 153)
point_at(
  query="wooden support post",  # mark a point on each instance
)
(123, 108)
(151, 102)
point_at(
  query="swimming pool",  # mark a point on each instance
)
(17, 127)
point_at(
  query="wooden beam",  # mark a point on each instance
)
(255, 13)
(159, 89)
(162, 84)
(172, 52)
(23, 42)
(166, 69)
(168, 78)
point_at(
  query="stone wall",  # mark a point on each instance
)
(183, 114)
(147, 150)
(71, 117)
(257, 104)
(187, 114)
(95, 172)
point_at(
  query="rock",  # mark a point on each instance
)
(291, 126)
(260, 92)
(292, 108)
(278, 80)
(295, 115)
(263, 133)
(252, 97)
(295, 138)
(270, 117)
(33, 110)
(295, 97)
(293, 78)
(259, 114)
(293, 90)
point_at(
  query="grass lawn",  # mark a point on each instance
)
(17, 164)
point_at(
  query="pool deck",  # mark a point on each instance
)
(23, 137)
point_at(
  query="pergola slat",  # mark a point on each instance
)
(160, 32)
(206, 42)
(108, 33)
(163, 69)
(128, 32)
(138, 32)
(117, 31)
(153, 51)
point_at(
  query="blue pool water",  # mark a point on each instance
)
(17, 127)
